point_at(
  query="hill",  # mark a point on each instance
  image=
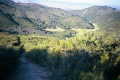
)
(30, 18)
(33, 18)
(105, 17)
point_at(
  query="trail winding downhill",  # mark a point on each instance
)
(29, 71)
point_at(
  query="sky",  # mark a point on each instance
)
(73, 4)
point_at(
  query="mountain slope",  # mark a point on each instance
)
(32, 18)
(105, 17)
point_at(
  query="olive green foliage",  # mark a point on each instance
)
(87, 56)
(8, 40)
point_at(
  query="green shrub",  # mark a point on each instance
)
(86, 56)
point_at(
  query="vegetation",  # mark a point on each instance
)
(75, 45)
(90, 55)
(93, 56)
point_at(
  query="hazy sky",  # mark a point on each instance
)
(73, 4)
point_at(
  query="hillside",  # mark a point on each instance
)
(33, 18)
(105, 17)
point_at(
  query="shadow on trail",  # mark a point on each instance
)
(9, 59)
(28, 71)
(15, 66)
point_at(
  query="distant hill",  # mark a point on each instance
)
(34, 18)
(105, 17)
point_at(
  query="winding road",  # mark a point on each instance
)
(29, 71)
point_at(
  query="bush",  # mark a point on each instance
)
(84, 57)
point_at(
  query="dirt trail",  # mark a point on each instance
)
(29, 71)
